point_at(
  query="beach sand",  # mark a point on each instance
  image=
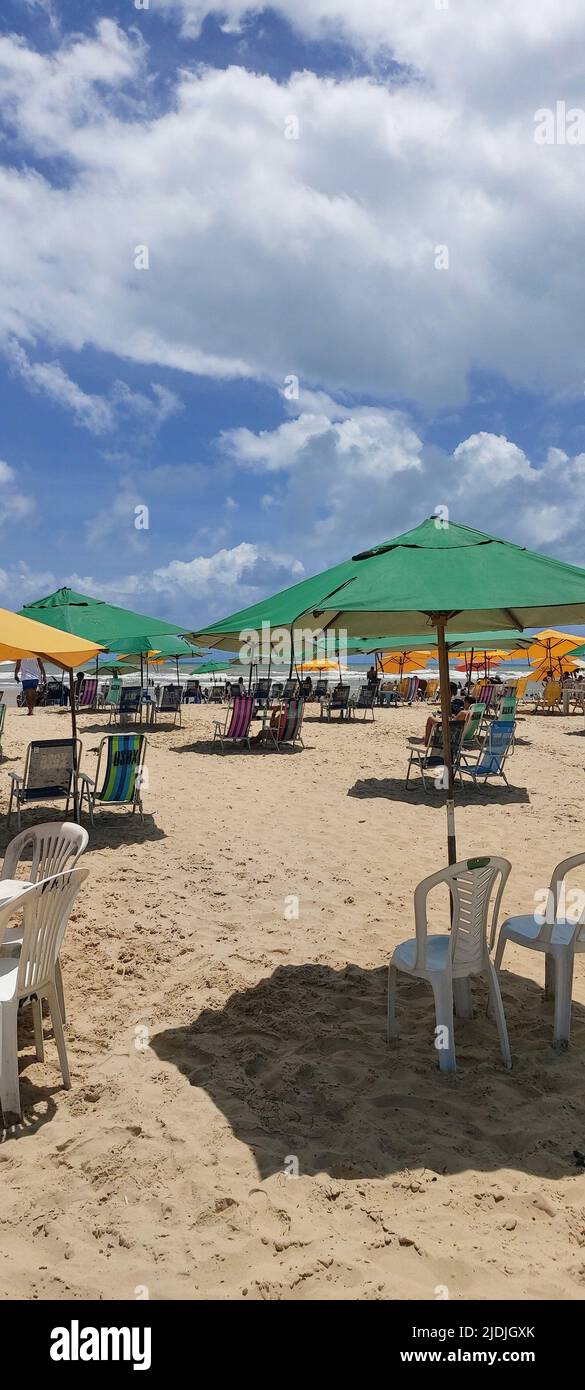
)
(218, 1043)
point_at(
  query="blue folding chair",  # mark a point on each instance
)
(496, 748)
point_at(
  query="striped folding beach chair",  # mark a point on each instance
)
(337, 700)
(113, 697)
(123, 776)
(498, 746)
(286, 723)
(365, 700)
(408, 689)
(88, 696)
(129, 704)
(49, 774)
(236, 729)
(170, 703)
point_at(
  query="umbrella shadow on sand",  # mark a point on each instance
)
(395, 789)
(298, 1065)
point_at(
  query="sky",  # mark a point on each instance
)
(275, 284)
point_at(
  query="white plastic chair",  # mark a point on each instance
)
(447, 961)
(53, 847)
(28, 974)
(559, 936)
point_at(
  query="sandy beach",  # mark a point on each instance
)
(218, 1043)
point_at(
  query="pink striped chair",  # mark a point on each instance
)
(88, 694)
(236, 729)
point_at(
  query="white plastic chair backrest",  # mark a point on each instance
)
(471, 884)
(11, 909)
(54, 848)
(557, 901)
(46, 911)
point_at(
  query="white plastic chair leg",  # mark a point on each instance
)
(59, 987)
(563, 997)
(445, 1038)
(549, 976)
(501, 946)
(9, 1086)
(59, 1035)
(37, 1014)
(462, 997)
(498, 1006)
(392, 1030)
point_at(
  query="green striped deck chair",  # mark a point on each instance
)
(285, 731)
(474, 723)
(507, 708)
(123, 774)
(112, 700)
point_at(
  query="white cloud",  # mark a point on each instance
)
(313, 256)
(491, 458)
(373, 442)
(15, 505)
(467, 46)
(374, 477)
(49, 378)
(94, 413)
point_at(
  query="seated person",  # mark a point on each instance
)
(461, 707)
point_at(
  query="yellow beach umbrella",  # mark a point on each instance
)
(324, 665)
(548, 650)
(22, 637)
(558, 666)
(400, 663)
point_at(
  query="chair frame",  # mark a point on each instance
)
(285, 712)
(175, 709)
(332, 704)
(131, 715)
(46, 908)
(89, 785)
(451, 984)
(19, 781)
(221, 733)
(559, 956)
(56, 849)
(485, 752)
(431, 757)
(361, 703)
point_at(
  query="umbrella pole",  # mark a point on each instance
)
(74, 732)
(445, 714)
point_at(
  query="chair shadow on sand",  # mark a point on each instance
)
(298, 1065)
(207, 747)
(111, 829)
(395, 789)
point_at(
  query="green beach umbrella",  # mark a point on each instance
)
(442, 577)
(210, 667)
(119, 628)
(437, 580)
(280, 611)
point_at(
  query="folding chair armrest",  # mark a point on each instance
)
(16, 777)
(85, 777)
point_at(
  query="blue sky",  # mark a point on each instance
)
(294, 376)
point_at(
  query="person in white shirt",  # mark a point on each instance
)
(30, 671)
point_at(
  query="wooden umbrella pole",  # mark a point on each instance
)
(445, 715)
(74, 732)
